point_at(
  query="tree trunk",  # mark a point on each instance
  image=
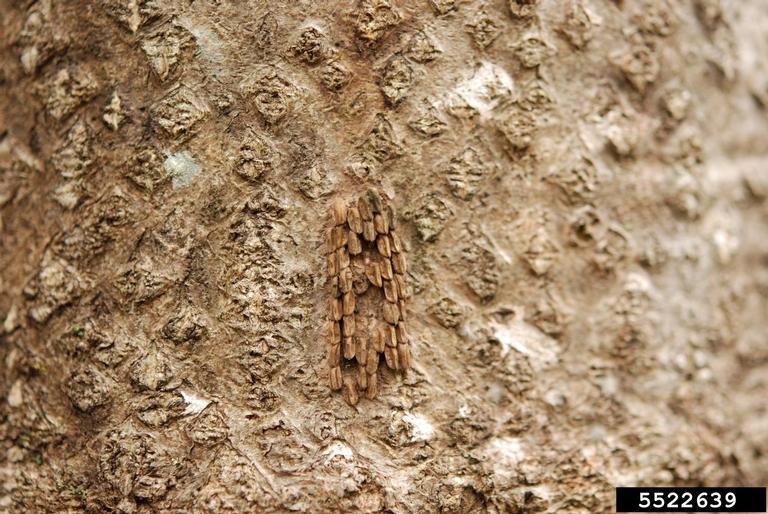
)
(581, 191)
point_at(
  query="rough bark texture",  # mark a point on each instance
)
(581, 186)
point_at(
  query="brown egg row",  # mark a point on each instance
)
(367, 224)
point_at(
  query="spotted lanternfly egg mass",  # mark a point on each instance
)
(366, 323)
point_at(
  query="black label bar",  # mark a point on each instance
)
(690, 499)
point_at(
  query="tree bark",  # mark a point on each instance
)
(581, 191)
